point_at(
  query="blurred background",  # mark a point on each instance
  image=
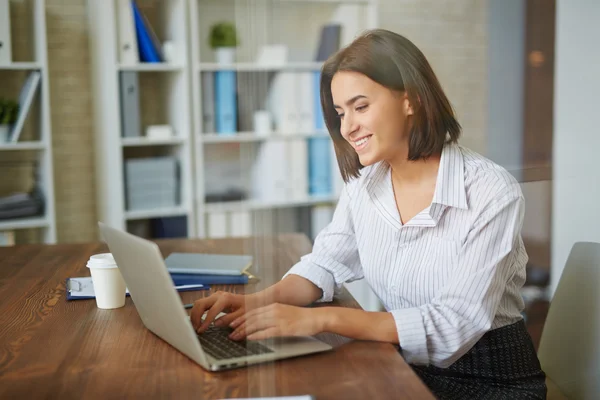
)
(200, 118)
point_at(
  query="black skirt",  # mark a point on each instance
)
(503, 364)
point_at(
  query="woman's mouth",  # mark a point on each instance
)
(362, 143)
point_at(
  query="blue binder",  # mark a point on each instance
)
(319, 166)
(318, 110)
(226, 102)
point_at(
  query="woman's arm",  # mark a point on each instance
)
(359, 324)
(285, 320)
(293, 290)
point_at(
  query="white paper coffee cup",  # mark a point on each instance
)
(109, 285)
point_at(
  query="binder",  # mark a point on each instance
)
(208, 102)
(318, 109)
(269, 183)
(226, 102)
(306, 106)
(26, 96)
(329, 41)
(319, 166)
(5, 41)
(337, 182)
(284, 103)
(297, 159)
(128, 45)
(130, 104)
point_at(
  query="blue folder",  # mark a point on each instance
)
(72, 288)
(148, 53)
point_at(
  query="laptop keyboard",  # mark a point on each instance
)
(215, 341)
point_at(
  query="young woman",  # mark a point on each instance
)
(433, 227)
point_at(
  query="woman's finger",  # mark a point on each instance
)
(222, 302)
(239, 332)
(200, 307)
(265, 334)
(226, 320)
(258, 323)
(258, 311)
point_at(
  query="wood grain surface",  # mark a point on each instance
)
(54, 348)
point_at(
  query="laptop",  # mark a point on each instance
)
(162, 312)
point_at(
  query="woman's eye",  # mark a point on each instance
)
(361, 108)
(340, 116)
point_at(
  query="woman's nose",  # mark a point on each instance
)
(348, 126)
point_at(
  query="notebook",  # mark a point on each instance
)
(208, 264)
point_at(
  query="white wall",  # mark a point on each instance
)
(576, 169)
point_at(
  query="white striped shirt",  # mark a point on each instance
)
(448, 275)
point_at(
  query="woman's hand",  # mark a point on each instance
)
(233, 304)
(278, 320)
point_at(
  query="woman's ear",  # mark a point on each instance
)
(408, 107)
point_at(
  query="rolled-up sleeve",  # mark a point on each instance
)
(444, 329)
(334, 259)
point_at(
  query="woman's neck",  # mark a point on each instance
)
(414, 172)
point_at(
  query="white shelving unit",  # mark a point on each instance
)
(164, 100)
(41, 146)
(293, 23)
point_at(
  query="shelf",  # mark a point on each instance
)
(319, 1)
(314, 66)
(23, 223)
(151, 67)
(327, 1)
(21, 66)
(241, 137)
(260, 205)
(22, 146)
(156, 213)
(144, 141)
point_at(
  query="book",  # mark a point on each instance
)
(195, 279)
(208, 264)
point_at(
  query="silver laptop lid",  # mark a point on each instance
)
(152, 291)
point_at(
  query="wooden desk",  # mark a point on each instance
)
(53, 348)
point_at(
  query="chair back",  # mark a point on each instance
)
(569, 349)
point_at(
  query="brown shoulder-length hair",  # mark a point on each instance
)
(395, 62)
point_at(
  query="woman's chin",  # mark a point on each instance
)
(367, 159)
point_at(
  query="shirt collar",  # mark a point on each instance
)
(450, 182)
(449, 190)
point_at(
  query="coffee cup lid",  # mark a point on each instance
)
(102, 260)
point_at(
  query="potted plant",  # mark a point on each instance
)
(224, 40)
(9, 110)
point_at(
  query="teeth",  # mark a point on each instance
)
(362, 141)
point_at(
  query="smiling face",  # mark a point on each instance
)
(373, 118)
